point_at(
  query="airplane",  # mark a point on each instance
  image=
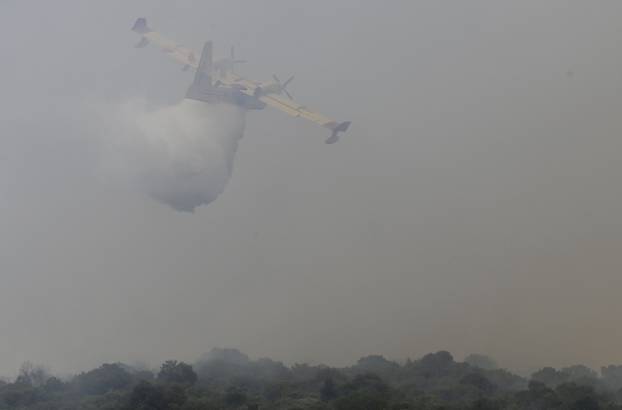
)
(216, 82)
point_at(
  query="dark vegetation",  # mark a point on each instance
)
(228, 379)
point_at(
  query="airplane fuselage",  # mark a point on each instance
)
(205, 89)
(224, 95)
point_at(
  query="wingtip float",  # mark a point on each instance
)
(216, 82)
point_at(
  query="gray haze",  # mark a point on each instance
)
(474, 205)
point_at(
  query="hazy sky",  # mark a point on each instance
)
(473, 206)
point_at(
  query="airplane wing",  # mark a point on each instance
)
(183, 55)
(288, 106)
(294, 109)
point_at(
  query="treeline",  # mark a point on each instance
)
(228, 379)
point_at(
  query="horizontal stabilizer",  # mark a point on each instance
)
(337, 128)
(140, 26)
(142, 43)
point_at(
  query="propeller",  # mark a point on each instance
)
(283, 86)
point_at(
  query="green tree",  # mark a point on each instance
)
(578, 397)
(480, 382)
(612, 376)
(177, 372)
(481, 361)
(550, 376)
(33, 375)
(147, 396)
(580, 373)
(103, 379)
(537, 396)
(235, 396)
(328, 390)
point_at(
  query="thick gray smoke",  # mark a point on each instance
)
(181, 155)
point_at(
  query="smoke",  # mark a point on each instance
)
(181, 155)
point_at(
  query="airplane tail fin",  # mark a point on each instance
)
(204, 70)
(202, 81)
(337, 128)
(140, 26)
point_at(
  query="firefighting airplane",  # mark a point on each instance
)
(216, 82)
